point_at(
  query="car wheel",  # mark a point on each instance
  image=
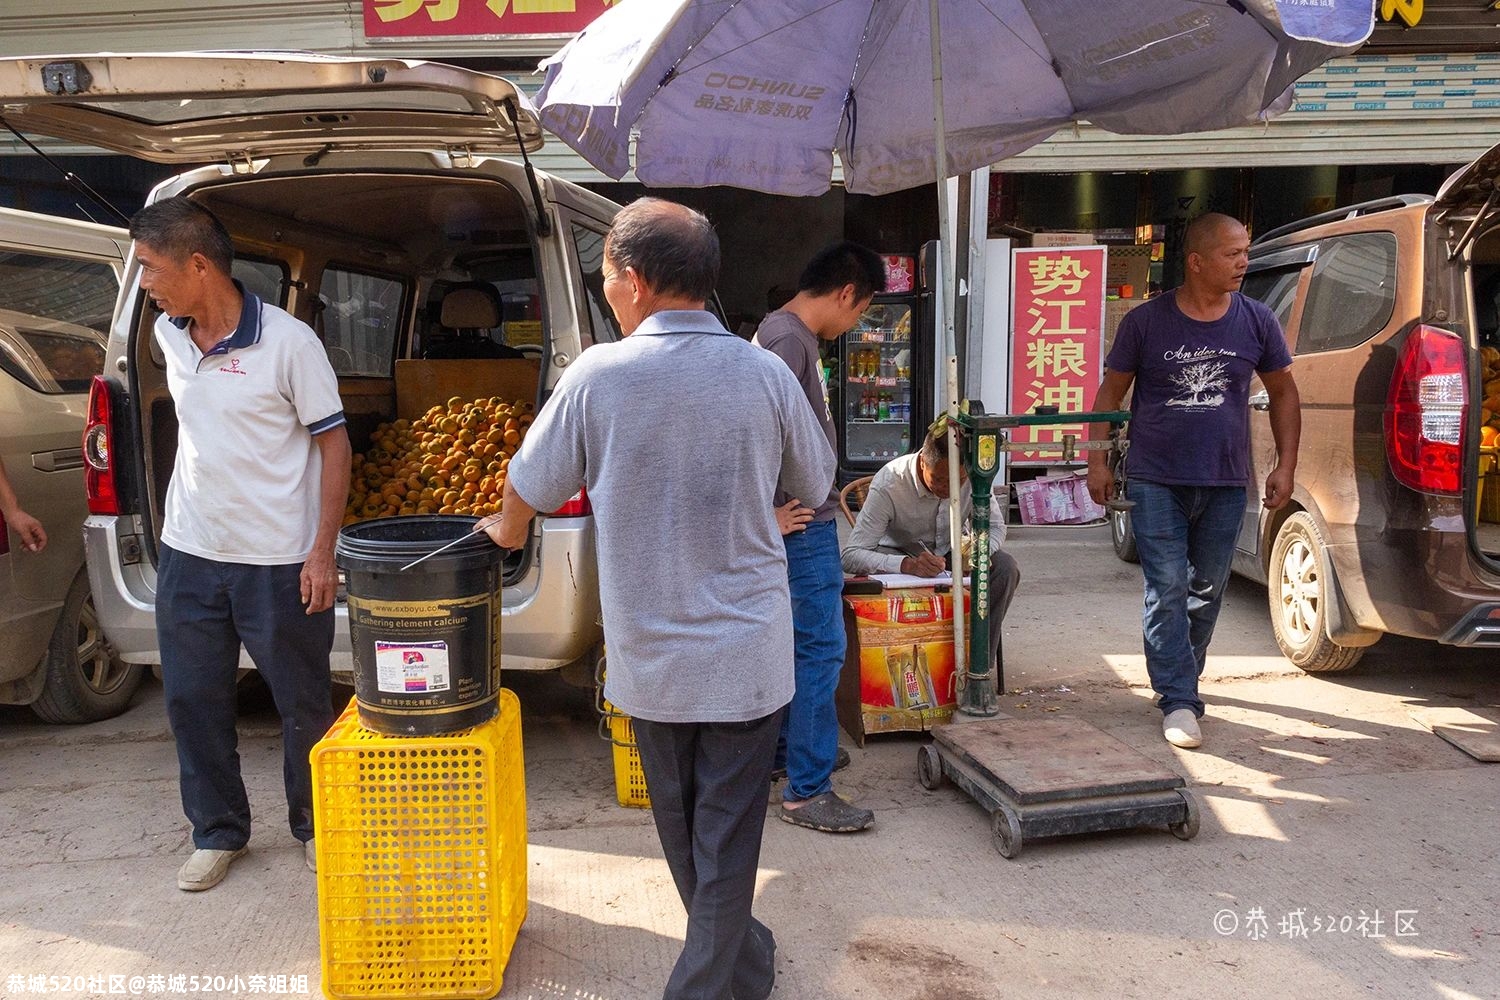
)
(1122, 535)
(85, 680)
(1296, 591)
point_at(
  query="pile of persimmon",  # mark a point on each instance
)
(1489, 415)
(450, 460)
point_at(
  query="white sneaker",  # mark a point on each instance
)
(206, 869)
(310, 854)
(1180, 727)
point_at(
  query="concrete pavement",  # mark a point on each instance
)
(1327, 809)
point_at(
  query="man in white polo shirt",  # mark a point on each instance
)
(253, 510)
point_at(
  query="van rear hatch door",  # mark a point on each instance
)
(1464, 194)
(198, 107)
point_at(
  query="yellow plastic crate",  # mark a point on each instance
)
(421, 846)
(630, 780)
(615, 726)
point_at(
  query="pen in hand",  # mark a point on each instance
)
(925, 562)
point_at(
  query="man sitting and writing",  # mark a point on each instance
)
(903, 527)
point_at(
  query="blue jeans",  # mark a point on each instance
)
(204, 610)
(810, 730)
(1184, 536)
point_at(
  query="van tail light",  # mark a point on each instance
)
(98, 443)
(1426, 412)
(577, 506)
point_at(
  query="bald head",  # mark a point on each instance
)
(673, 248)
(1217, 254)
(1209, 230)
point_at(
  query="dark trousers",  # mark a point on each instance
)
(204, 611)
(708, 783)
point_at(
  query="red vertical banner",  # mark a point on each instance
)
(1057, 340)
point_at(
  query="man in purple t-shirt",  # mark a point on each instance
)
(1191, 355)
(833, 292)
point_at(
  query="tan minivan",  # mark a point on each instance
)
(1392, 312)
(386, 203)
(59, 279)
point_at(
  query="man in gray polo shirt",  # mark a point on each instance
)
(681, 434)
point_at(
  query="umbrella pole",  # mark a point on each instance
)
(977, 695)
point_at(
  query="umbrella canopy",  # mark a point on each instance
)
(759, 94)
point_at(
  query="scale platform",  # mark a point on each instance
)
(1053, 777)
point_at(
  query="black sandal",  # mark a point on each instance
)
(829, 813)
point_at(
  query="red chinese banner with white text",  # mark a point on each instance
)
(1057, 340)
(427, 18)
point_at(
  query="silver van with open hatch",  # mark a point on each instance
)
(390, 205)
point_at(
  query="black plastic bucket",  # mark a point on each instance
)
(426, 642)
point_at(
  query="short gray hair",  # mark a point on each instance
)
(673, 248)
(180, 228)
(935, 446)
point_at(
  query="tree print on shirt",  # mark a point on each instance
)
(1196, 380)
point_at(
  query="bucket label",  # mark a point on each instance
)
(411, 667)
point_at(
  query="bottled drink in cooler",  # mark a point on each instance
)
(883, 408)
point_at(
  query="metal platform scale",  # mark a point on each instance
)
(1039, 777)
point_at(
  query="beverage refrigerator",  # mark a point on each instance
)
(880, 374)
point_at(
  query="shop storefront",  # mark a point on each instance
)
(1420, 98)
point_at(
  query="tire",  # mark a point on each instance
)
(1122, 535)
(1005, 832)
(1294, 591)
(1188, 828)
(929, 768)
(85, 681)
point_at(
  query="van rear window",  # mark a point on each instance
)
(59, 288)
(51, 362)
(359, 317)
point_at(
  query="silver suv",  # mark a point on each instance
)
(368, 198)
(59, 279)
